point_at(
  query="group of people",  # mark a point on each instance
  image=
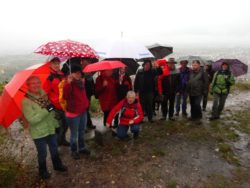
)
(63, 101)
(164, 84)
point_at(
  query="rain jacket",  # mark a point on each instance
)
(127, 112)
(198, 83)
(41, 122)
(184, 78)
(51, 88)
(145, 80)
(75, 95)
(107, 95)
(222, 81)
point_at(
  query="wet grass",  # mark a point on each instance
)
(228, 154)
(242, 86)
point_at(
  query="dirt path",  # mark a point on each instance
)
(168, 154)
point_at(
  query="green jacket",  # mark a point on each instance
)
(41, 122)
(222, 81)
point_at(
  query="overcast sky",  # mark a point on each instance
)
(25, 24)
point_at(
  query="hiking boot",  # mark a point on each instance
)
(177, 114)
(75, 155)
(44, 175)
(61, 168)
(85, 151)
(204, 109)
(151, 121)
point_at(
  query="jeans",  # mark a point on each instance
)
(122, 130)
(77, 127)
(181, 100)
(147, 100)
(63, 126)
(195, 102)
(41, 146)
(168, 106)
(218, 104)
(89, 121)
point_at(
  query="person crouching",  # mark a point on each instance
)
(42, 125)
(131, 116)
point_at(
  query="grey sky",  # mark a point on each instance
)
(25, 24)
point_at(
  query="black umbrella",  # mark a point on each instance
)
(160, 51)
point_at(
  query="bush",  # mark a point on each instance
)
(242, 86)
(1, 88)
(95, 106)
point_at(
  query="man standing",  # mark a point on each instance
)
(196, 88)
(52, 90)
(222, 81)
(168, 89)
(144, 86)
(181, 97)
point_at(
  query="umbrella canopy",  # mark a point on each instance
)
(103, 65)
(12, 96)
(122, 48)
(236, 66)
(160, 51)
(131, 64)
(67, 48)
(191, 58)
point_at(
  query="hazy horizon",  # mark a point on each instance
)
(25, 25)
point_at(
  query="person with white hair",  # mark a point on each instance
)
(130, 116)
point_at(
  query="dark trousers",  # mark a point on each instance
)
(181, 100)
(41, 146)
(168, 106)
(147, 100)
(195, 102)
(105, 117)
(218, 104)
(63, 126)
(204, 101)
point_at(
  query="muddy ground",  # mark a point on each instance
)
(167, 154)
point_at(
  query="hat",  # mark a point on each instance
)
(172, 60)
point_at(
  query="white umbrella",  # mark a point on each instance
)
(122, 48)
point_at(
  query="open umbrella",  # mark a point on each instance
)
(160, 51)
(67, 48)
(103, 65)
(191, 58)
(236, 66)
(131, 64)
(13, 92)
(122, 48)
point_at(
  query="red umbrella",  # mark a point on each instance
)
(103, 65)
(13, 92)
(67, 48)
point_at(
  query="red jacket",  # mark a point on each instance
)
(127, 112)
(166, 72)
(76, 98)
(107, 95)
(52, 89)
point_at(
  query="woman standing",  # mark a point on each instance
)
(42, 124)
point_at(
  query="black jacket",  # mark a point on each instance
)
(171, 84)
(145, 80)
